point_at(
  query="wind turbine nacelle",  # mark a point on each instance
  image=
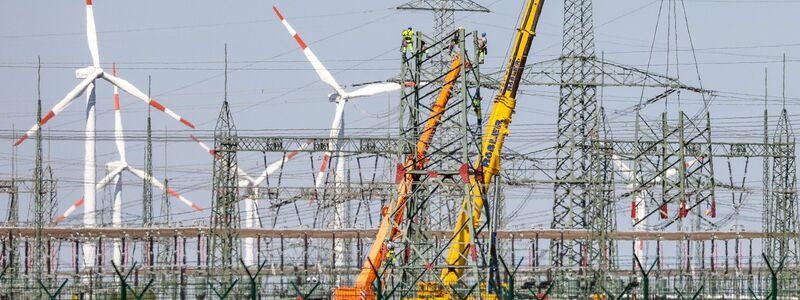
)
(334, 97)
(110, 166)
(86, 72)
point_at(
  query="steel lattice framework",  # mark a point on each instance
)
(225, 207)
(577, 120)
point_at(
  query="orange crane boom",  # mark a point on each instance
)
(389, 221)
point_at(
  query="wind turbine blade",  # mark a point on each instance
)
(59, 107)
(323, 73)
(204, 146)
(131, 89)
(69, 210)
(277, 164)
(100, 185)
(333, 145)
(141, 174)
(119, 138)
(374, 89)
(673, 171)
(91, 34)
(213, 153)
(623, 169)
(105, 180)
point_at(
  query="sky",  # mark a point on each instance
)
(273, 90)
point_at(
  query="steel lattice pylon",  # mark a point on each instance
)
(436, 190)
(223, 250)
(39, 194)
(577, 121)
(781, 205)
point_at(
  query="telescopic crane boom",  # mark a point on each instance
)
(390, 219)
(493, 138)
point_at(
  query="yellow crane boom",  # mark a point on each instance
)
(494, 135)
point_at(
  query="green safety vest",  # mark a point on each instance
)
(408, 34)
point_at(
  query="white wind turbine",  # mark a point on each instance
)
(639, 202)
(251, 193)
(89, 75)
(340, 96)
(115, 169)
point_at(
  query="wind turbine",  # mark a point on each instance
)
(114, 176)
(639, 201)
(251, 192)
(89, 75)
(340, 96)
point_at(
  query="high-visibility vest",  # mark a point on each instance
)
(408, 34)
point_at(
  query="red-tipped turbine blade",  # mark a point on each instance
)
(141, 174)
(91, 34)
(323, 72)
(131, 89)
(59, 107)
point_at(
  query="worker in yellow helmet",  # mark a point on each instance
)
(408, 40)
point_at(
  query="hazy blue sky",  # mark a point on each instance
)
(273, 90)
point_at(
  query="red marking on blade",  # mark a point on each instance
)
(47, 117)
(187, 123)
(280, 16)
(116, 101)
(633, 209)
(173, 193)
(157, 105)
(292, 155)
(300, 41)
(60, 218)
(88, 2)
(410, 84)
(20, 140)
(79, 203)
(325, 159)
(197, 207)
(114, 69)
(194, 138)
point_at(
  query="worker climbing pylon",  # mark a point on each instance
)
(408, 40)
(454, 42)
(482, 47)
(476, 105)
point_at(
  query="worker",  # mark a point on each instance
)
(453, 42)
(390, 256)
(408, 40)
(482, 47)
(476, 105)
(424, 48)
